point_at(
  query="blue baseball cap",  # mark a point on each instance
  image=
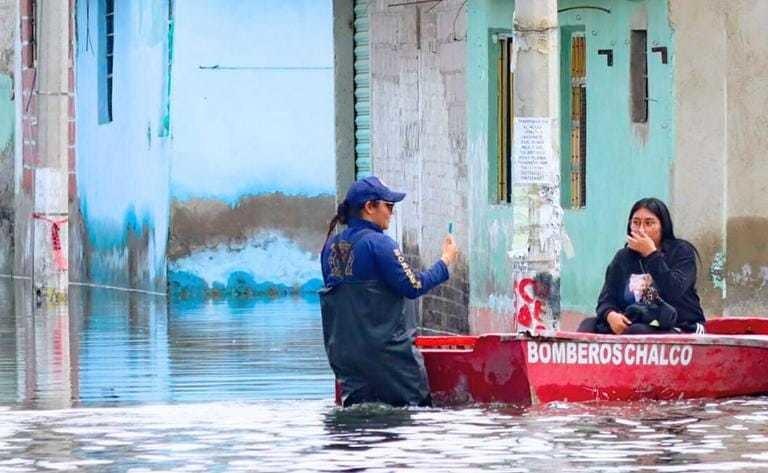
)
(371, 188)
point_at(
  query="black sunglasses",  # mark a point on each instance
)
(390, 205)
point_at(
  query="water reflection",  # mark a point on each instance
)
(117, 348)
(37, 361)
(251, 349)
(123, 349)
(8, 350)
(244, 386)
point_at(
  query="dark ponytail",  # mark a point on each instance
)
(342, 216)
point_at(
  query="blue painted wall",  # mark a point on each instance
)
(253, 176)
(262, 120)
(123, 166)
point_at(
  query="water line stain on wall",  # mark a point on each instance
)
(252, 181)
(202, 223)
(263, 245)
(746, 269)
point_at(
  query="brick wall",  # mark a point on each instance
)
(419, 138)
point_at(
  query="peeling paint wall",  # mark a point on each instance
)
(492, 297)
(253, 177)
(8, 17)
(419, 145)
(123, 166)
(720, 179)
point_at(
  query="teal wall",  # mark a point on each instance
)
(625, 161)
(7, 164)
(7, 122)
(491, 230)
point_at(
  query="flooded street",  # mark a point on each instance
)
(124, 384)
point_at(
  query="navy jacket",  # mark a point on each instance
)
(376, 257)
(673, 269)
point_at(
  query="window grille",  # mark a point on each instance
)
(504, 120)
(578, 121)
(107, 63)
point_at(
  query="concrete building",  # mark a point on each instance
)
(659, 98)
(408, 127)
(210, 169)
(252, 179)
(201, 166)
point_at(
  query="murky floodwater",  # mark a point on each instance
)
(122, 384)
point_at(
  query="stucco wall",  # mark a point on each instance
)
(8, 18)
(720, 179)
(626, 161)
(253, 177)
(123, 166)
(492, 295)
(418, 58)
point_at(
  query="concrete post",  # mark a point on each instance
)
(344, 94)
(535, 253)
(51, 185)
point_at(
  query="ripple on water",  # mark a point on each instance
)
(146, 376)
(316, 436)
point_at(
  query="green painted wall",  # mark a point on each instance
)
(7, 165)
(7, 122)
(625, 161)
(491, 232)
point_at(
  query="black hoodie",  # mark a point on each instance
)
(673, 269)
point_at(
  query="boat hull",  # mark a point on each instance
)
(579, 367)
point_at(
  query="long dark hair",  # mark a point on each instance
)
(343, 213)
(658, 208)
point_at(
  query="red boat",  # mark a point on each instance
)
(730, 360)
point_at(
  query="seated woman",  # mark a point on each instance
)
(650, 286)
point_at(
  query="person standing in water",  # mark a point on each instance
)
(368, 339)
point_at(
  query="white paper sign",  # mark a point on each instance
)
(51, 187)
(532, 152)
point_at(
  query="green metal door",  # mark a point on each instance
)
(363, 161)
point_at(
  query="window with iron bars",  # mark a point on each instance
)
(106, 62)
(505, 117)
(578, 85)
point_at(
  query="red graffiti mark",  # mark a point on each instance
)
(522, 289)
(531, 309)
(59, 261)
(524, 316)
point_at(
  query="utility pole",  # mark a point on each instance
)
(51, 184)
(535, 254)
